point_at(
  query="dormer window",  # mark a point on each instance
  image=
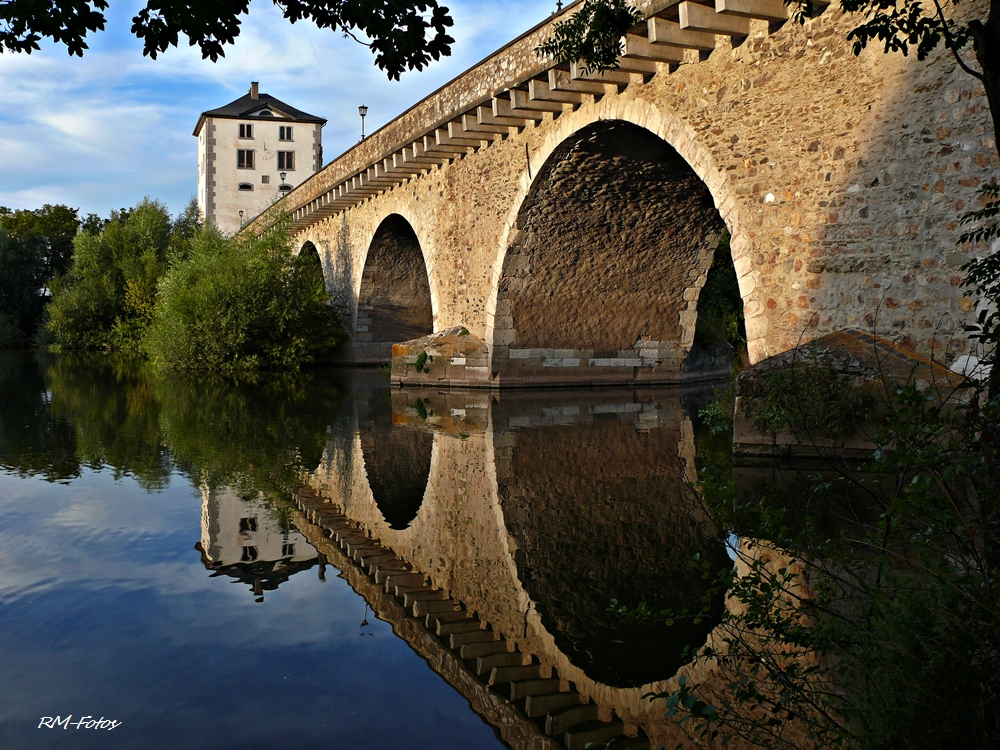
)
(265, 113)
(284, 132)
(246, 131)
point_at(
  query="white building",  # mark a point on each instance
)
(250, 152)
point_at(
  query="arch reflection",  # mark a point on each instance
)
(596, 502)
(397, 462)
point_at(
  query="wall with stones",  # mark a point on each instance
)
(841, 179)
(515, 532)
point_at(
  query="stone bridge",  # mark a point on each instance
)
(565, 222)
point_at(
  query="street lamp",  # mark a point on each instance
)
(241, 218)
(362, 110)
(282, 186)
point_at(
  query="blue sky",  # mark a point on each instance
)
(104, 131)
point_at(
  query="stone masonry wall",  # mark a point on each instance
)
(841, 179)
(511, 530)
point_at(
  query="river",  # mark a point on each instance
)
(196, 560)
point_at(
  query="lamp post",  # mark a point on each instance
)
(241, 218)
(362, 110)
(282, 175)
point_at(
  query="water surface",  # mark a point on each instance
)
(153, 573)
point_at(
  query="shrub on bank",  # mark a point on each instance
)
(106, 299)
(236, 304)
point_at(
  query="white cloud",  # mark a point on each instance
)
(103, 131)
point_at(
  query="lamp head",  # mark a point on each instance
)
(362, 110)
(282, 175)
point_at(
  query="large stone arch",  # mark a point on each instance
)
(394, 300)
(512, 264)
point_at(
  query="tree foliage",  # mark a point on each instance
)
(592, 35)
(105, 300)
(864, 610)
(403, 34)
(34, 246)
(242, 303)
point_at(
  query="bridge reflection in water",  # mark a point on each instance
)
(493, 531)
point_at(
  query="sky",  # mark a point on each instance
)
(103, 131)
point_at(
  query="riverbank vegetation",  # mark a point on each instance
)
(241, 304)
(864, 607)
(105, 301)
(144, 283)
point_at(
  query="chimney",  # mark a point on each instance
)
(253, 90)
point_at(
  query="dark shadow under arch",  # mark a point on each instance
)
(600, 511)
(610, 246)
(397, 462)
(394, 301)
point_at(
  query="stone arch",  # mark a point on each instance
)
(394, 294)
(689, 158)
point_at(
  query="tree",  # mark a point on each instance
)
(237, 304)
(106, 299)
(403, 34)
(34, 247)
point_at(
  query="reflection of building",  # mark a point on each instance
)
(244, 539)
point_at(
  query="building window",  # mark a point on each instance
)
(247, 525)
(244, 158)
(287, 550)
(245, 186)
(265, 179)
(249, 554)
(286, 160)
(284, 188)
(284, 132)
(246, 131)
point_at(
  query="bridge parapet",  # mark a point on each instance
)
(512, 87)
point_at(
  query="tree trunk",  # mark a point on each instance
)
(986, 40)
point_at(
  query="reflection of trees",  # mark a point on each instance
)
(100, 411)
(109, 402)
(33, 442)
(255, 434)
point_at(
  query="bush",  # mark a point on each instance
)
(720, 304)
(237, 304)
(106, 299)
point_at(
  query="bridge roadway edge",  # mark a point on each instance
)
(841, 201)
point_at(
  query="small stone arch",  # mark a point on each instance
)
(397, 461)
(394, 295)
